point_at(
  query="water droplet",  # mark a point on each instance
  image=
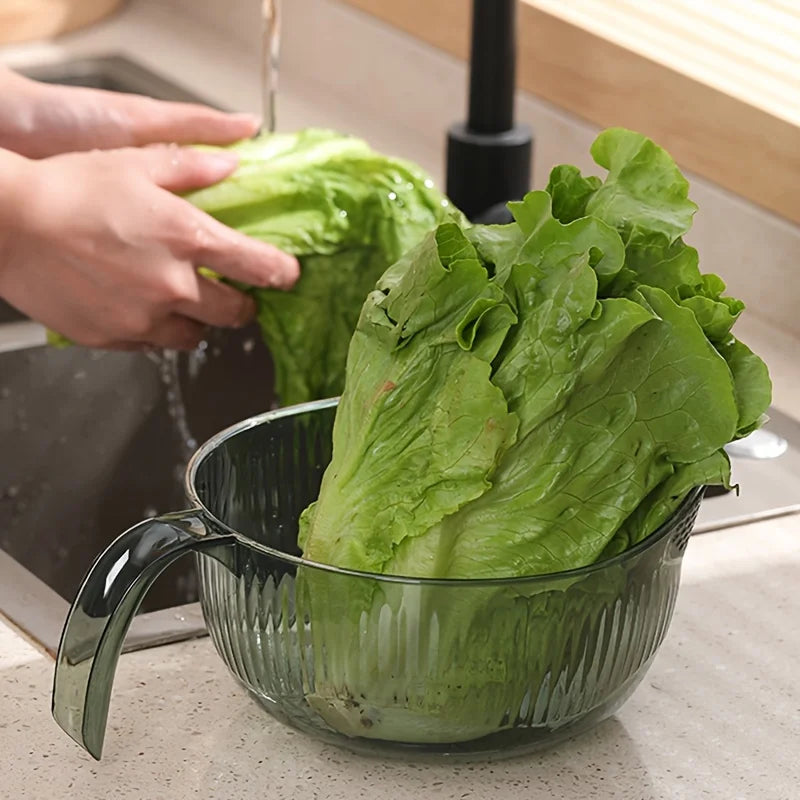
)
(342, 213)
(409, 186)
(393, 195)
(216, 352)
(248, 345)
(12, 491)
(428, 183)
(150, 512)
(196, 359)
(445, 203)
(80, 375)
(180, 618)
(5, 392)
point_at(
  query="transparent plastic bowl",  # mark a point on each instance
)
(377, 664)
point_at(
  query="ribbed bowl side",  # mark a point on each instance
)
(391, 666)
(435, 665)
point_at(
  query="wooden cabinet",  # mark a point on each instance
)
(28, 20)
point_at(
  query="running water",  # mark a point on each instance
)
(270, 56)
(168, 368)
(169, 360)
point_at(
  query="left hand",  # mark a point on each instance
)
(38, 120)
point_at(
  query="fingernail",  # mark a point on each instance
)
(291, 267)
(253, 121)
(222, 162)
(247, 313)
(224, 158)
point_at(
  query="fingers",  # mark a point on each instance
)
(128, 347)
(239, 257)
(176, 333)
(218, 305)
(199, 237)
(210, 243)
(179, 169)
(152, 121)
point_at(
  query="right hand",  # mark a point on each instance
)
(98, 248)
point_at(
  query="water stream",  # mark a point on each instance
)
(270, 57)
(168, 361)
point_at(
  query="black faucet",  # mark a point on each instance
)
(488, 156)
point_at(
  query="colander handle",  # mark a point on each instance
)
(101, 614)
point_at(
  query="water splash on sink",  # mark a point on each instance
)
(169, 370)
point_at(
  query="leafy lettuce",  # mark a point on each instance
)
(519, 400)
(515, 393)
(347, 213)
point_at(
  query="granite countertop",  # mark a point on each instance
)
(717, 716)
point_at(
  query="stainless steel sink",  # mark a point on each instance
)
(90, 447)
(769, 485)
(114, 73)
(88, 441)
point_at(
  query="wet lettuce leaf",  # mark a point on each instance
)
(347, 213)
(400, 461)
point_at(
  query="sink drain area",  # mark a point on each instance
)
(766, 467)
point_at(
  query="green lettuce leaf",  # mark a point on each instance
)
(347, 213)
(663, 501)
(645, 193)
(432, 335)
(570, 192)
(751, 382)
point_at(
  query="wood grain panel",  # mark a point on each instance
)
(717, 83)
(27, 20)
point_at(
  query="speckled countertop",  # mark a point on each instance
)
(717, 716)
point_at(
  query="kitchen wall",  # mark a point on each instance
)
(365, 73)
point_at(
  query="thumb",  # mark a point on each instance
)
(180, 169)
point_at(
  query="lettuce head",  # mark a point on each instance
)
(519, 400)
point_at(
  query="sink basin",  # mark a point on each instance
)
(113, 73)
(94, 442)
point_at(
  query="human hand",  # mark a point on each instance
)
(39, 120)
(97, 247)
